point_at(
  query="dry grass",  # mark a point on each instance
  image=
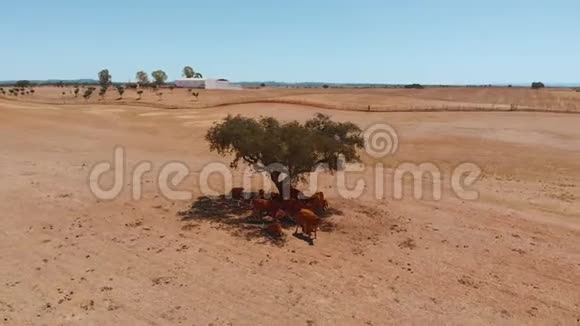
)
(376, 100)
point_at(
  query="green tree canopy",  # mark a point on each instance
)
(23, 83)
(159, 76)
(104, 78)
(142, 78)
(286, 151)
(188, 72)
(537, 85)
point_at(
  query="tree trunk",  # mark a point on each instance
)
(283, 186)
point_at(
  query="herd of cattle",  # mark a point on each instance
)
(302, 209)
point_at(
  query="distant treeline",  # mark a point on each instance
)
(84, 82)
(61, 83)
(49, 82)
(353, 85)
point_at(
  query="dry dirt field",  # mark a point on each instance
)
(379, 99)
(511, 257)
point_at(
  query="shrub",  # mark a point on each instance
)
(537, 85)
(88, 92)
(415, 86)
(121, 91)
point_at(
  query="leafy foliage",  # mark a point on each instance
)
(103, 92)
(121, 91)
(267, 144)
(537, 85)
(188, 72)
(23, 83)
(159, 76)
(104, 78)
(140, 93)
(142, 78)
(88, 92)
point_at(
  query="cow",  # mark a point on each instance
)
(316, 203)
(309, 222)
(263, 205)
(275, 228)
(237, 193)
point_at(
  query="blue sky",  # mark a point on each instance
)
(384, 41)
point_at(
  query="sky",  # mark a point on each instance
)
(430, 42)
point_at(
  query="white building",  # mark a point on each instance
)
(205, 83)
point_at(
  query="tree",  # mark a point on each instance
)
(32, 91)
(160, 95)
(171, 88)
(188, 72)
(537, 85)
(120, 90)
(159, 76)
(23, 83)
(103, 92)
(88, 93)
(139, 92)
(104, 78)
(142, 78)
(76, 91)
(196, 94)
(286, 151)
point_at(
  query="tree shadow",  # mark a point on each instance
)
(236, 217)
(232, 215)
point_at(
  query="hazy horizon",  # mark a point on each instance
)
(448, 42)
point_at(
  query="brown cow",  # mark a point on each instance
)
(308, 221)
(264, 205)
(316, 203)
(275, 228)
(237, 193)
(319, 195)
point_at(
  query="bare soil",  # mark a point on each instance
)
(510, 257)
